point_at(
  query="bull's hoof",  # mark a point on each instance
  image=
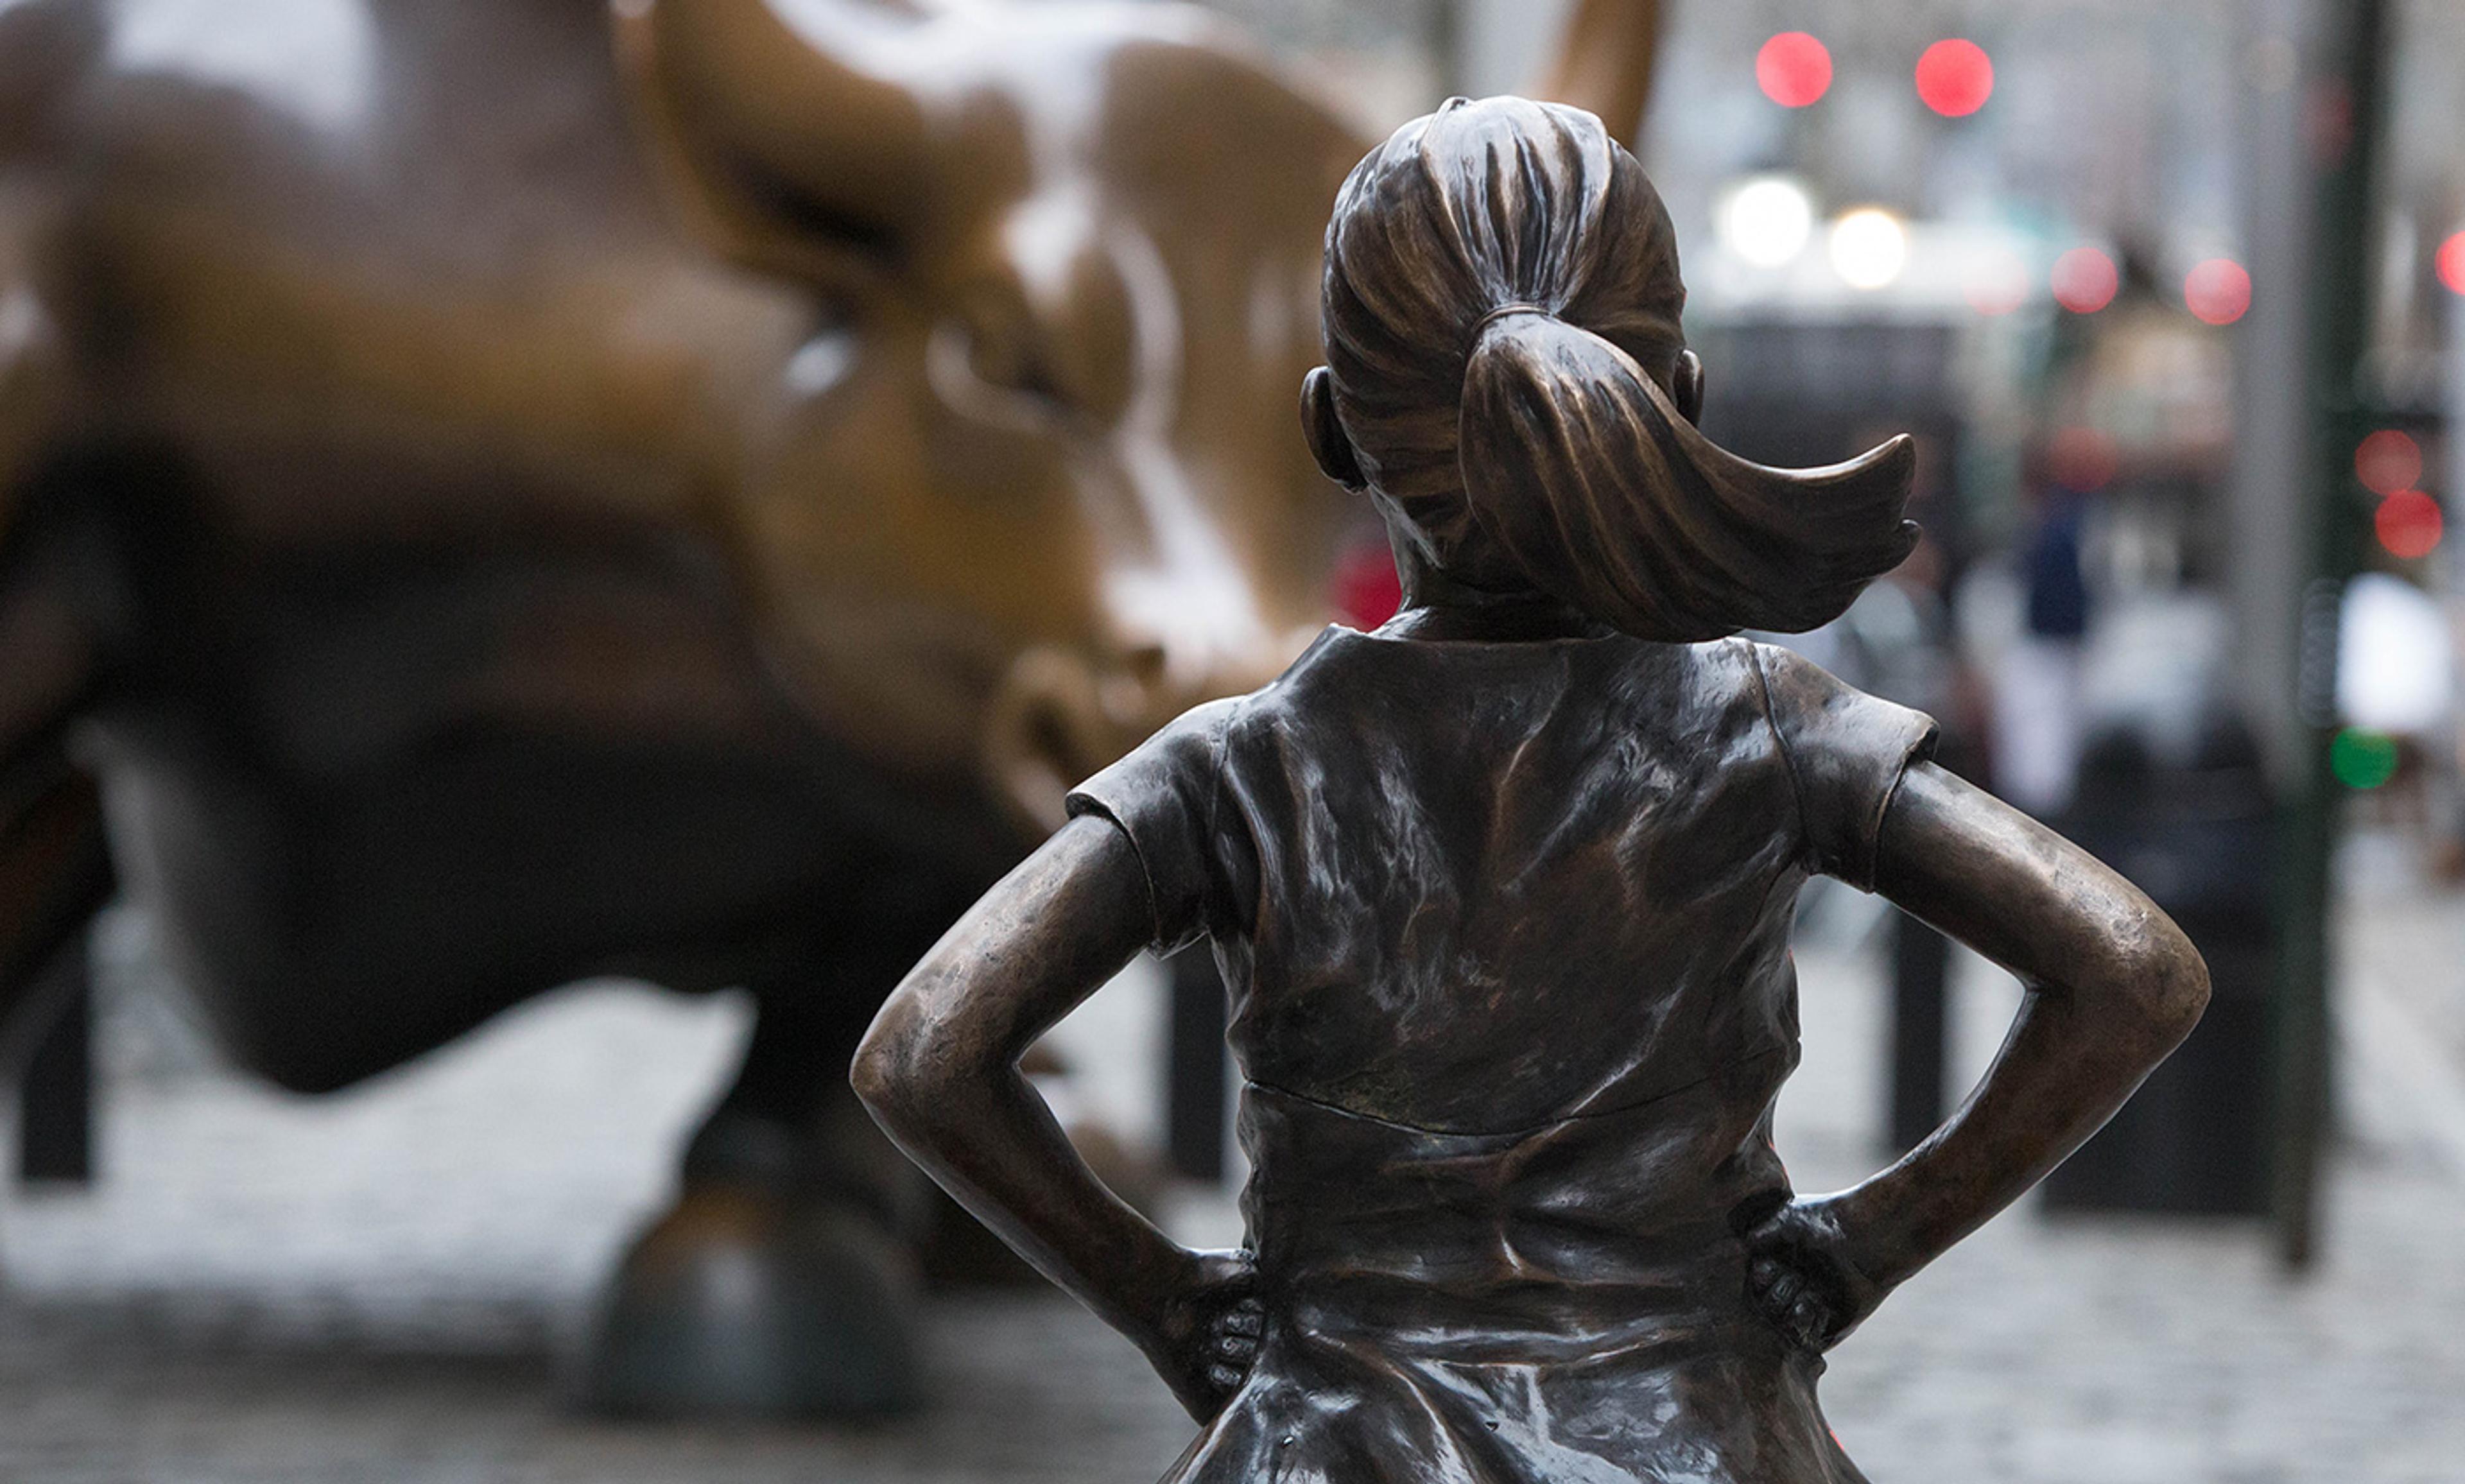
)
(743, 1302)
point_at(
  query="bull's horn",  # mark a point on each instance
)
(1604, 63)
(793, 149)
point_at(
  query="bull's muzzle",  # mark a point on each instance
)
(1058, 717)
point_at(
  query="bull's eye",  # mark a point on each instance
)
(991, 366)
(1002, 352)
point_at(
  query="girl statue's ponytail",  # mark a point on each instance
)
(1502, 327)
(1575, 463)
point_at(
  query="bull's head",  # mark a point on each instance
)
(1035, 482)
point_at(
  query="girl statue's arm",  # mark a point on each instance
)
(940, 1071)
(2112, 986)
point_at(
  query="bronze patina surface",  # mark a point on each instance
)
(1504, 891)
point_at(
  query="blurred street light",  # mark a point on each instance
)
(2408, 524)
(1955, 77)
(2362, 757)
(1869, 248)
(2388, 461)
(1793, 69)
(2394, 659)
(1766, 219)
(2085, 280)
(2218, 291)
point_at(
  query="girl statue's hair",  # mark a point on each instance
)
(1502, 315)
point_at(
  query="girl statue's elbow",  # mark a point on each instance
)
(2174, 982)
(882, 1073)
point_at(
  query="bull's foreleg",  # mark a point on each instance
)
(55, 874)
(55, 1091)
(54, 869)
(784, 1281)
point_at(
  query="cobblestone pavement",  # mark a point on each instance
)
(376, 1287)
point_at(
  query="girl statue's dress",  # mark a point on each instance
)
(1504, 892)
(1508, 929)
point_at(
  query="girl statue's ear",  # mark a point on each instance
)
(1326, 440)
(1686, 386)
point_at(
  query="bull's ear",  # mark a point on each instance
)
(786, 148)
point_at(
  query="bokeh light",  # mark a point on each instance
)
(2218, 291)
(1869, 248)
(2452, 263)
(2362, 757)
(2085, 280)
(2388, 461)
(2408, 524)
(1996, 282)
(1793, 69)
(1767, 220)
(1955, 77)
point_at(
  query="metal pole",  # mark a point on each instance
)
(2347, 108)
(2270, 495)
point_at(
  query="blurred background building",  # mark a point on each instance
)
(2174, 294)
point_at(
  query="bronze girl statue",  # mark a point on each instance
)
(1503, 895)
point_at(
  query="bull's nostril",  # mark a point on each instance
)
(1046, 735)
(1146, 664)
(1051, 723)
(1058, 718)
(1129, 704)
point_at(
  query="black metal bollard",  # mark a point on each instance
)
(1921, 1031)
(2198, 838)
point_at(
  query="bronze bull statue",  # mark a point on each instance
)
(428, 576)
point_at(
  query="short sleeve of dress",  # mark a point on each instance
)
(1847, 752)
(1164, 796)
